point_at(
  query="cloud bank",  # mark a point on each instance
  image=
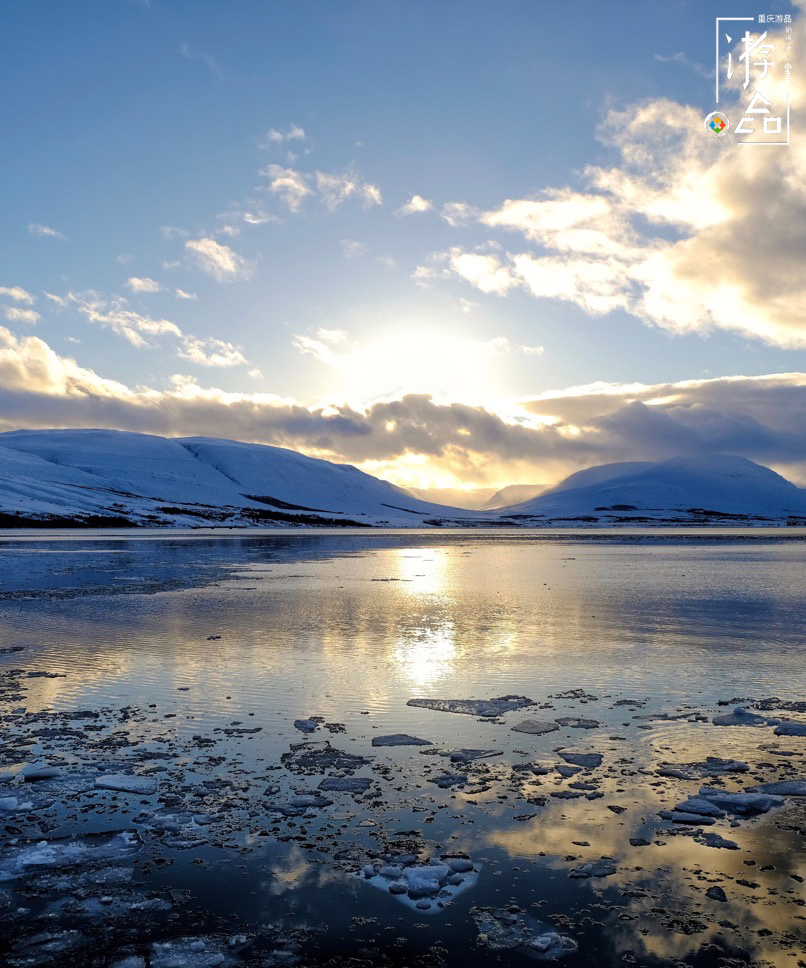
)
(762, 417)
(685, 231)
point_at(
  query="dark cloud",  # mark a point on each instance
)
(763, 418)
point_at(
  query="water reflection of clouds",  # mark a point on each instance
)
(665, 884)
(293, 870)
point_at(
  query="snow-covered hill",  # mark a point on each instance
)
(109, 477)
(143, 479)
(512, 494)
(680, 490)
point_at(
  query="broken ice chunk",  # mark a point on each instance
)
(743, 717)
(535, 727)
(745, 804)
(474, 707)
(345, 784)
(595, 868)
(587, 760)
(399, 739)
(127, 783)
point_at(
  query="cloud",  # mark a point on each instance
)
(459, 213)
(335, 189)
(332, 189)
(114, 314)
(762, 417)
(45, 231)
(181, 294)
(193, 53)
(485, 272)
(681, 58)
(424, 276)
(171, 232)
(16, 315)
(218, 260)
(684, 231)
(352, 249)
(274, 137)
(17, 293)
(415, 205)
(532, 350)
(145, 284)
(210, 352)
(289, 185)
(144, 331)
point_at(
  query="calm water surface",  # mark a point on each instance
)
(173, 639)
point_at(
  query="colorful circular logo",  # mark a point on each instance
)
(717, 123)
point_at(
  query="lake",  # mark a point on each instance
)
(159, 806)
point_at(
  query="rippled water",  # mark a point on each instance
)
(198, 632)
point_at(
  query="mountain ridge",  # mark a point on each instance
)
(98, 477)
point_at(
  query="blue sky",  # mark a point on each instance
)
(301, 207)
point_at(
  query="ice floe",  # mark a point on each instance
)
(427, 887)
(474, 707)
(511, 928)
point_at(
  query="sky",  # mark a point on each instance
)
(458, 243)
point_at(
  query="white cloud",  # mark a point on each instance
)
(181, 294)
(274, 137)
(332, 189)
(415, 205)
(172, 232)
(335, 189)
(135, 327)
(255, 373)
(685, 231)
(218, 260)
(485, 272)
(352, 249)
(424, 276)
(210, 352)
(532, 350)
(193, 53)
(143, 284)
(45, 231)
(17, 293)
(16, 315)
(289, 185)
(679, 57)
(332, 335)
(294, 188)
(259, 218)
(459, 213)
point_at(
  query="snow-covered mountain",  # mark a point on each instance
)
(472, 499)
(143, 479)
(680, 490)
(109, 477)
(512, 494)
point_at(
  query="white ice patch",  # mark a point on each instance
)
(19, 861)
(425, 888)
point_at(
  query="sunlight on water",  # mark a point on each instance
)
(197, 655)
